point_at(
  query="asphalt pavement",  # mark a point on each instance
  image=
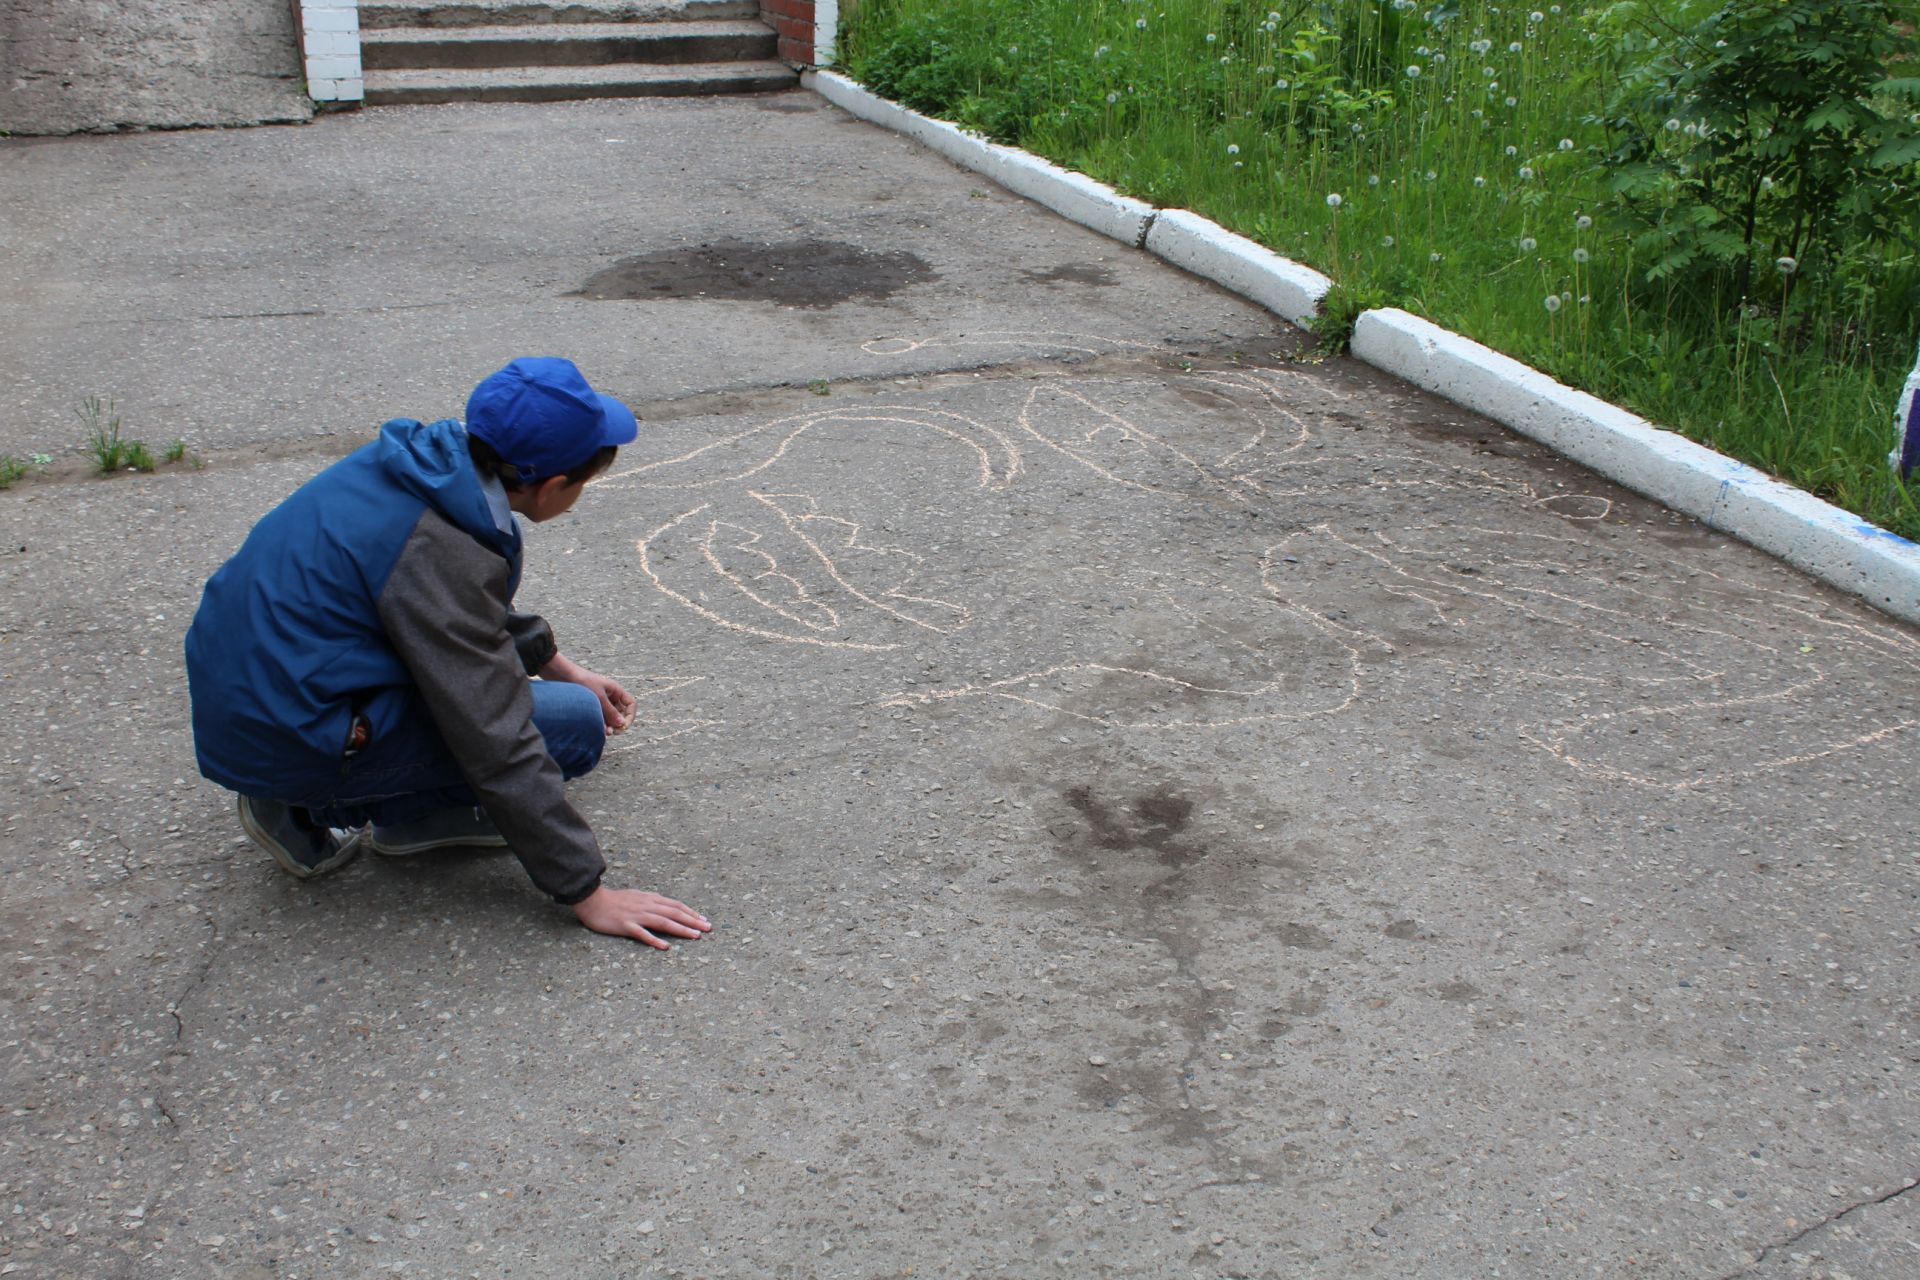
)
(1172, 804)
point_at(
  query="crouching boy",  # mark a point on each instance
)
(359, 662)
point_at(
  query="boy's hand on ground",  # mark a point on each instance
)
(634, 913)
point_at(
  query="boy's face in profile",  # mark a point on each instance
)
(552, 497)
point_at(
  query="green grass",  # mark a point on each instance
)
(11, 470)
(1471, 191)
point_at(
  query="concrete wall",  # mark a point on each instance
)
(68, 66)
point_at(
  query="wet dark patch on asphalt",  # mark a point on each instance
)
(797, 273)
(1085, 273)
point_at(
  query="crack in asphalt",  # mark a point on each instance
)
(744, 398)
(178, 1050)
(1821, 1225)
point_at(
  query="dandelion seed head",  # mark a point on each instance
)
(1112, 98)
(1585, 298)
(1512, 101)
(1283, 84)
(1102, 51)
(1413, 71)
(1512, 151)
(1515, 47)
(1766, 183)
(1373, 179)
(1439, 59)
(1233, 148)
(1566, 144)
(1536, 16)
(1211, 37)
(1423, 51)
(1433, 257)
(1333, 200)
(1787, 265)
(1528, 244)
(1526, 173)
(1673, 125)
(1479, 181)
(1583, 223)
(1140, 24)
(1386, 242)
(1553, 303)
(1581, 256)
(1432, 176)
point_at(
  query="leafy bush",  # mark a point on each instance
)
(1772, 134)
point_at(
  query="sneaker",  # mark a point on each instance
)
(464, 828)
(302, 849)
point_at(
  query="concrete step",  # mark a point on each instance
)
(377, 15)
(568, 44)
(559, 84)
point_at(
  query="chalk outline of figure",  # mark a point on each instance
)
(1437, 594)
(998, 461)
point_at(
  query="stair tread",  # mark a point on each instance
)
(619, 73)
(559, 31)
(454, 15)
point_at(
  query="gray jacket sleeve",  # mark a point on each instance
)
(444, 609)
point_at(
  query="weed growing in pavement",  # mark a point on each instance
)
(110, 450)
(11, 469)
(1702, 209)
(177, 451)
(102, 421)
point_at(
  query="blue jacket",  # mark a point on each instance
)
(288, 645)
(384, 588)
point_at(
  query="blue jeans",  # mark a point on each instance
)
(410, 774)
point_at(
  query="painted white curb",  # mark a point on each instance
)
(1253, 271)
(1071, 195)
(1833, 545)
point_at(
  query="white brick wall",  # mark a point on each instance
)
(826, 32)
(330, 32)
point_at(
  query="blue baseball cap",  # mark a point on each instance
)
(543, 419)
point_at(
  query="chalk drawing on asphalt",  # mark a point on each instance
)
(774, 545)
